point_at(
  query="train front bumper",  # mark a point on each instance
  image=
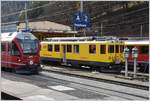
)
(27, 69)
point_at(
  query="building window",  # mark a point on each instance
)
(144, 49)
(102, 49)
(76, 48)
(92, 49)
(50, 48)
(57, 48)
(117, 48)
(69, 48)
(111, 49)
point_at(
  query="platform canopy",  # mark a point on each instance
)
(45, 26)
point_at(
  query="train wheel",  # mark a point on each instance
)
(76, 65)
(111, 69)
(144, 68)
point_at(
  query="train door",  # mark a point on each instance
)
(7, 55)
(64, 60)
(111, 50)
(14, 56)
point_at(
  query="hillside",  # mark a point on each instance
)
(119, 18)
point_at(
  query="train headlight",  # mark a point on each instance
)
(31, 62)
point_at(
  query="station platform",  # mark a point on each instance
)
(29, 92)
(49, 87)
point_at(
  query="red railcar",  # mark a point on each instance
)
(143, 54)
(20, 52)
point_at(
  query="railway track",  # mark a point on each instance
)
(43, 81)
(69, 73)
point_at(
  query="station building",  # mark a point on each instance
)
(45, 29)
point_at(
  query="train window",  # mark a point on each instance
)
(117, 48)
(92, 49)
(121, 48)
(3, 48)
(144, 50)
(50, 48)
(111, 49)
(14, 50)
(76, 48)
(57, 48)
(102, 49)
(69, 48)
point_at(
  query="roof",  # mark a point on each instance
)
(137, 42)
(45, 26)
(8, 36)
(11, 35)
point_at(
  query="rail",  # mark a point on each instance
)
(100, 78)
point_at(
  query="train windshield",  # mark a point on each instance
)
(29, 44)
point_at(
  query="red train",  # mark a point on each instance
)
(20, 52)
(143, 54)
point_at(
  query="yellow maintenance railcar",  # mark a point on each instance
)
(106, 55)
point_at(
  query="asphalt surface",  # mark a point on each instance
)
(77, 88)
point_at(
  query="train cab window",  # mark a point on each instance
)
(92, 49)
(76, 48)
(102, 49)
(14, 49)
(50, 48)
(69, 48)
(3, 48)
(121, 48)
(117, 48)
(144, 50)
(111, 49)
(57, 48)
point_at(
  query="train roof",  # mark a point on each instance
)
(77, 42)
(90, 38)
(12, 35)
(8, 36)
(137, 42)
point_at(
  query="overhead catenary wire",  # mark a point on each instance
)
(135, 11)
(56, 13)
(29, 9)
(62, 12)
